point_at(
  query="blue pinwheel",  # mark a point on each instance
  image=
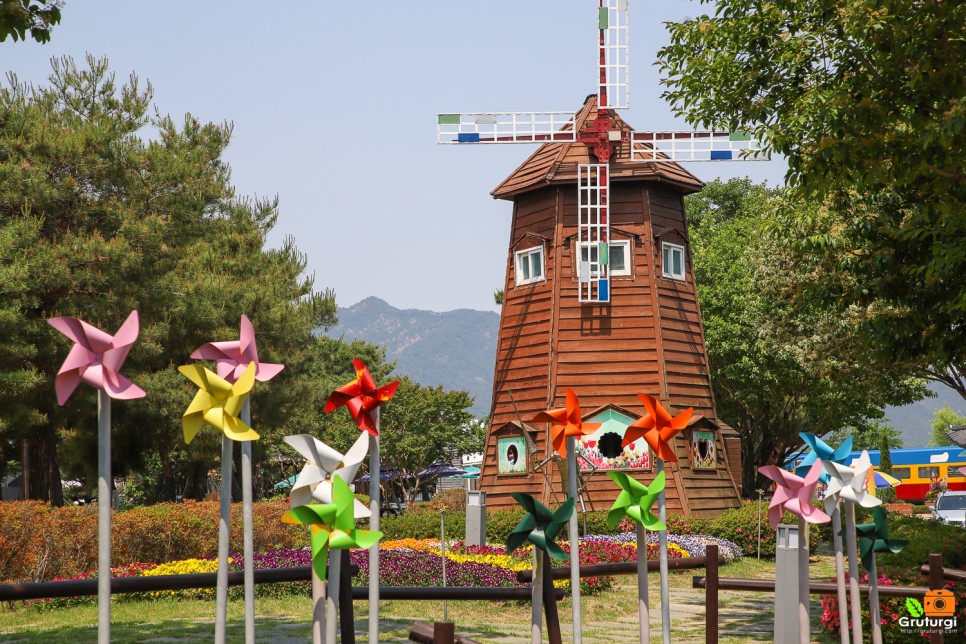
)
(822, 451)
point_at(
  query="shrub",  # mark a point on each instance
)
(423, 525)
(39, 542)
(890, 608)
(447, 501)
(925, 537)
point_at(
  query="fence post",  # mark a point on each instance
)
(711, 594)
(935, 583)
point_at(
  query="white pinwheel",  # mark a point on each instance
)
(314, 483)
(849, 483)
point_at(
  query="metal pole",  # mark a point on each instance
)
(442, 542)
(375, 479)
(318, 608)
(536, 601)
(248, 528)
(759, 525)
(643, 607)
(804, 627)
(854, 598)
(662, 543)
(574, 539)
(224, 533)
(103, 517)
(332, 596)
(840, 574)
(874, 609)
(936, 582)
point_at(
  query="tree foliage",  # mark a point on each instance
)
(105, 208)
(95, 221)
(865, 100)
(777, 368)
(942, 421)
(36, 17)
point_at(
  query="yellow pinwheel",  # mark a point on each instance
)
(218, 403)
(333, 525)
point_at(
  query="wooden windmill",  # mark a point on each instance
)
(600, 293)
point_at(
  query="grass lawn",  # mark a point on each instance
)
(609, 616)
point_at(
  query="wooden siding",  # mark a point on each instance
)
(649, 338)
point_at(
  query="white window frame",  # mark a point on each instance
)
(666, 269)
(625, 243)
(523, 257)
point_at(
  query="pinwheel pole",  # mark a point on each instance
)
(232, 359)
(536, 599)
(332, 596)
(643, 607)
(635, 501)
(103, 517)
(224, 535)
(840, 573)
(874, 610)
(96, 358)
(855, 598)
(248, 529)
(662, 554)
(833, 462)
(375, 482)
(572, 529)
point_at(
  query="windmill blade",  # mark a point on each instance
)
(593, 233)
(613, 65)
(506, 127)
(664, 147)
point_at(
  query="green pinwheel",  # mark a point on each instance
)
(333, 525)
(540, 526)
(635, 501)
(874, 537)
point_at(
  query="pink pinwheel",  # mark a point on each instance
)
(96, 358)
(794, 494)
(233, 356)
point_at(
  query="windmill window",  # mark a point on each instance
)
(673, 261)
(618, 255)
(529, 265)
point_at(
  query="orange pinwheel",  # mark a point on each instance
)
(657, 427)
(565, 421)
(361, 397)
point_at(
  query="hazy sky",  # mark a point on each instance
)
(334, 105)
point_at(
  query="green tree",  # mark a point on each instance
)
(419, 426)
(104, 209)
(776, 369)
(18, 17)
(942, 421)
(864, 98)
(870, 434)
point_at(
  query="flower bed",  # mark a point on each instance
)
(417, 562)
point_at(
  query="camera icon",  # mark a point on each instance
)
(939, 603)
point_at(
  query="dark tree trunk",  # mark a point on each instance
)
(41, 470)
(167, 491)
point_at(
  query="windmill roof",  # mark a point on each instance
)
(557, 163)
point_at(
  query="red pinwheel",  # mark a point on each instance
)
(565, 421)
(233, 356)
(657, 428)
(361, 397)
(96, 358)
